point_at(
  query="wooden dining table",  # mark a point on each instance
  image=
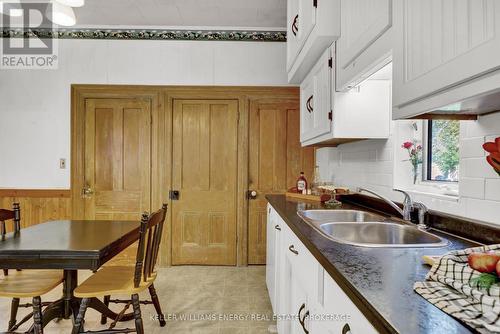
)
(68, 245)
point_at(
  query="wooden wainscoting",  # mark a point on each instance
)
(37, 206)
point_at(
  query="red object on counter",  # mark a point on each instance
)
(301, 183)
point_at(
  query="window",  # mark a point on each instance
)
(442, 163)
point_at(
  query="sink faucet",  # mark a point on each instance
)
(407, 203)
(422, 210)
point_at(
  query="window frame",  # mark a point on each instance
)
(427, 156)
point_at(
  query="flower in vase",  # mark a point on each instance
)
(415, 156)
(407, 145)
(493, 148)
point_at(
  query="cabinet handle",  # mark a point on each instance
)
(292, 249)
(278, 227)
(303, 320)
(295, 27)
(309, 105)
(346, 329)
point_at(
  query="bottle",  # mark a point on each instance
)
(302, 184)
(316, 180)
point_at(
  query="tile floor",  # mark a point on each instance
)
(200, 295)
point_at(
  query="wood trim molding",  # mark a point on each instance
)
(36, 193)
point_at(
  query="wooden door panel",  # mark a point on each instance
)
(118, 162)
(117, 158)
(205, 174)
(275, 161)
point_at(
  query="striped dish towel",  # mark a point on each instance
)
(447, 287)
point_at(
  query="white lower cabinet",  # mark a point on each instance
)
(305, 297)
(272, 256)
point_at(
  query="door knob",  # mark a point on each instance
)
(87, 190)
(174, 195)
(252, 194)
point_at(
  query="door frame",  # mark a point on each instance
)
(162, 98)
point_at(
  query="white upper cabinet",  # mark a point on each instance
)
(443, 50)
(330, 118)
(315, 94)
(366, 41)
(312, 26)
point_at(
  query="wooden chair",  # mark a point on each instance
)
(26, 283)
(128, 279)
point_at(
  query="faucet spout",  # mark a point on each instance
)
(388, 201)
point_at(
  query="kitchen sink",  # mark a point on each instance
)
(342, 216)
(366, 229)
(380, 235)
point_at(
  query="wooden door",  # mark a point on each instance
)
(117, 163)
(205, 174)
(117, 166)
(276, 159)
(440, 44)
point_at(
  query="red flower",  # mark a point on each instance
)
(407, 144)
(493, 148)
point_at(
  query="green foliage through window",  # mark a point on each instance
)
(443, 151)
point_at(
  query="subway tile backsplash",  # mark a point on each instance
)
(370, 164)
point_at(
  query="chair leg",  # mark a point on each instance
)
(6, 272)
(139, 328)
(104, 319)
(156, 303)
(81, 316)
(37, 315)
(13, 312)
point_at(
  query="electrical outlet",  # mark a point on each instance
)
(62, 163)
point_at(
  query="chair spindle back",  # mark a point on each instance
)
(15, 216)
(151, 231)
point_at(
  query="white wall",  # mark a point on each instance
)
(371, 164)
(35, 104)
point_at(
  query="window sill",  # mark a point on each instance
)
(443, 197)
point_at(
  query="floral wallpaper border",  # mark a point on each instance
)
(153, 34)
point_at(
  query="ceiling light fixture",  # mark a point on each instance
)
(72, 3)
(5, 8)
(63, 15)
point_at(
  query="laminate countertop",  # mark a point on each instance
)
(378, 280)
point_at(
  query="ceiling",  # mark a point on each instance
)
(183, 13)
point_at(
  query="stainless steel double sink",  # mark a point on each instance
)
(360, 228)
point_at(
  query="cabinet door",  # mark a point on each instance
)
(442, 43)
(292, 40)
(315, 95)
(301, 21)
(271, 255)
(351, 320)
(363, 24)
(294, 304)
(307, 19)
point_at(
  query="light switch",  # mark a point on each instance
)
(62, 163)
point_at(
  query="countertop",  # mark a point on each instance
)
(378, 280)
